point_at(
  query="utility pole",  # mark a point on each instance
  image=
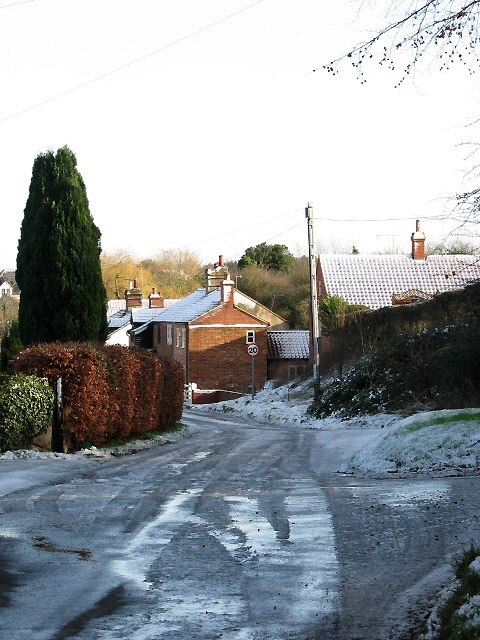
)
(315, 319)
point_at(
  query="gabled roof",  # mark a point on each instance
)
(8, 276)
(288, 345)
(371, 280)
(193, 306)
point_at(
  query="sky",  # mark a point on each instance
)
(200, 125)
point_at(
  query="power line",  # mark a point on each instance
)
(404, 219)
(82, 85)
(14, 4)
(230, 231)
(281, 233)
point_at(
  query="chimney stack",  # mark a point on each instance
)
(133, 296)
(227, 289)
(214, 277)
(156, 300)
(418, 243)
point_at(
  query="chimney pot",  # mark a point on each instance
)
(220, 261)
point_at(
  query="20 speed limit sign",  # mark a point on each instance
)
(252, 349)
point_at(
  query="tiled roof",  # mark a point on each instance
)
(141, 315)
(113, 306)
(119, 319)
(287, 345)
(371, 280)
(193, 306)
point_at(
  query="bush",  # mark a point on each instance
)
(26, 409)
(108, 391)
(433, 369)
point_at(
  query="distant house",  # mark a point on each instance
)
(8, 284)
(383, 280)
(6, 288)
(288, 355)
(130, 322)
(209, 331)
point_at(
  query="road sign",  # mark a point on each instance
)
(252, 349)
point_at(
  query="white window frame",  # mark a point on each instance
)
(178, 336)
(169, 334)
(184, 338)
(250, 336)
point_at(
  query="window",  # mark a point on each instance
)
(169, 334)
(184, 338)
(250, 336)
(178, 336)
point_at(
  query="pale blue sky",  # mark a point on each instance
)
(217, 140)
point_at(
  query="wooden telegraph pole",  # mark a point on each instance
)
(315, 318)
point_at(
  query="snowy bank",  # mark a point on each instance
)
(443, 442)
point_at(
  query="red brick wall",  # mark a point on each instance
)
(218, 358)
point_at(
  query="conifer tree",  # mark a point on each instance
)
(58, 261)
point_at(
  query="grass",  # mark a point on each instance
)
(459, 416)
(453, 625)
(147, 435)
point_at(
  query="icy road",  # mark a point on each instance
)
(235, 532)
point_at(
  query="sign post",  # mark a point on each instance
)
(252, 351)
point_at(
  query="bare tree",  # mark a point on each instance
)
(447, 30)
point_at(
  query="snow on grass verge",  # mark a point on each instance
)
(289, 405)
(440, 442)
(98, 453)
(457, 613)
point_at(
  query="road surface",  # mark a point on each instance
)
(236, 532)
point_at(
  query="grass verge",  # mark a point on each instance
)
(455, 623)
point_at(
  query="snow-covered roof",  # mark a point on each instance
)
(372, 279)
(141, 315)
(288, 345)
(193, 306)
(113, 306)
(119, 319)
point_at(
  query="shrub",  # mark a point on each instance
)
(26, 409)
(435, 368)
(108, 391)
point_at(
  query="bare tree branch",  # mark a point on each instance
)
(446, 29)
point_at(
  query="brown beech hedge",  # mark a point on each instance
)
(108, 391)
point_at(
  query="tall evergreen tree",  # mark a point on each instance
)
(58, 262)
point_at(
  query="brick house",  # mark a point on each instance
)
(288, 355)
(208, 333)
(383, 280)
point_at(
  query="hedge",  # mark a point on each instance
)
(26, 409)
(108, 391)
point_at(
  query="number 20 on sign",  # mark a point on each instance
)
(252, 350)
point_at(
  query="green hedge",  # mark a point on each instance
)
(26, 409)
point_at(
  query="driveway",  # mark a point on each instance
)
(237, 531)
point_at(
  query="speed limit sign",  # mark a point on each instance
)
(252, 349)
